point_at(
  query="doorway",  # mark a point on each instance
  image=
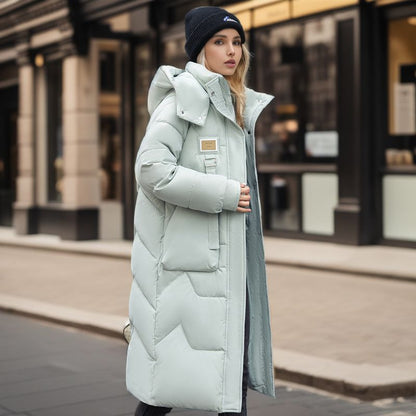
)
(8, 153)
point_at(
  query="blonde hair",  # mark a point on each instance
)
(237, 82)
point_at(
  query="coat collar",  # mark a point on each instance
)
(255, 104)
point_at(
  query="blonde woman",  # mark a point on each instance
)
(198, 305)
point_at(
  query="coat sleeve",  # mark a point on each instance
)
(157, 171)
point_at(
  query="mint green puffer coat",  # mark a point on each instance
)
(188, 296)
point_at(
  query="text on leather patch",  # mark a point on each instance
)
(208, 144)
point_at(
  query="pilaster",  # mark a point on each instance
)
(80, 125)
(24, 208)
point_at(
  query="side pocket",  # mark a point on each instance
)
(191, 241)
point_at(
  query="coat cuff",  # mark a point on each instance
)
(231, 195)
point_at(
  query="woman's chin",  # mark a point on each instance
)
(227, 72)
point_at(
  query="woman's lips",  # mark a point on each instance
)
(230, 63)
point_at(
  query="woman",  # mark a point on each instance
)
(198, 304)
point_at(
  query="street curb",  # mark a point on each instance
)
(71, 248)
(362, 381)
(324, 374)
(99, 323)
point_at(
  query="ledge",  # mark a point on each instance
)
(296, 168)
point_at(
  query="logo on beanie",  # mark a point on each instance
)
(228, 19)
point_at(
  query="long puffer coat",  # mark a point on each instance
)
(189, 263)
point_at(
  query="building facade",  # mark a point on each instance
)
(336, 149)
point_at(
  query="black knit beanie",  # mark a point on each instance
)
(202, 23)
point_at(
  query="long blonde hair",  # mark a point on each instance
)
(237, 82)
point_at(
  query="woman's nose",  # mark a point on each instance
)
(231, 50)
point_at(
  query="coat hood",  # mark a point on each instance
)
(192, 100)
(194, 87)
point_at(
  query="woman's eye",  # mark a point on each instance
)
(218, 42)
(237, 42)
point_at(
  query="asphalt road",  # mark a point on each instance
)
(49, 370)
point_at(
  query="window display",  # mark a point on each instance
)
(297, 64)
(401, 55)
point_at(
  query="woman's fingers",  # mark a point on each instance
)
(240, 209)
(244, 202)
(244, 189)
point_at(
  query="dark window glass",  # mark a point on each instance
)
(110, 148)
(110, 122)
(297, 63)
(55, 139)
(8, 153)
(108, 71)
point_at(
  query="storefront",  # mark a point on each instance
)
(73, 88)
(395, 127)
(335, 149)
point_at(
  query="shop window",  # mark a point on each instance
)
(297, 63)
(55, 139)
(401, 146)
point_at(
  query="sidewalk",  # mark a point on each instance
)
(335, 325)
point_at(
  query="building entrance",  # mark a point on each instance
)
(8, 152)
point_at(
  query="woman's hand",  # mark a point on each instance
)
(244, 202)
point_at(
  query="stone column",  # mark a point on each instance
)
(81, 187)
(24, 220)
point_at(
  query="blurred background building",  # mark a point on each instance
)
(336, 149)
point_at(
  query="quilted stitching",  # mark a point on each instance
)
(187, 340)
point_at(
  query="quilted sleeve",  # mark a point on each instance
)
(158, 173)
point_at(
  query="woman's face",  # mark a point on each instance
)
(223, 52)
